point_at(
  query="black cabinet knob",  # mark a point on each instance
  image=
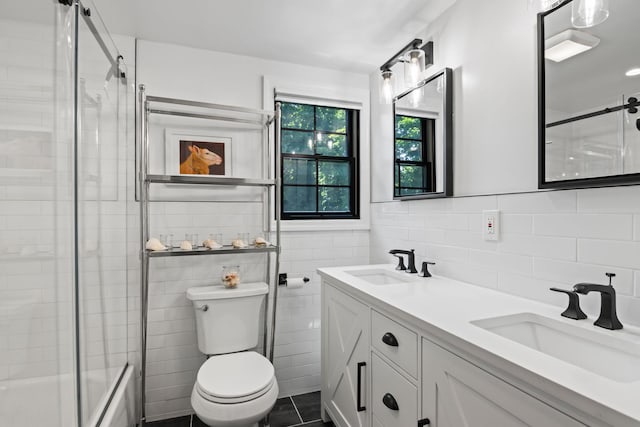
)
(390, 339)
(390, 402)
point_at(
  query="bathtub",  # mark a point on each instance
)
(50, 401)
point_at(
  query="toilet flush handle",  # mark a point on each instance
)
(203, 307)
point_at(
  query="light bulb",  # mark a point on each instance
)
(386, 87)
(587, 13)
(414, 66)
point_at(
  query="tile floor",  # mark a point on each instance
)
(300, 410)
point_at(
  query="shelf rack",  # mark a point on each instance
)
(264, 120)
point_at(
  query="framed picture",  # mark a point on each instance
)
(193, 153)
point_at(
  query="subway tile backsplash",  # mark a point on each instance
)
(551, 238)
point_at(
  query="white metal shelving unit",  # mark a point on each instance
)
(267, 121)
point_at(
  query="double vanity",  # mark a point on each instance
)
(402, 350)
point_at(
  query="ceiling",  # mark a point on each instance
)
(353, 35)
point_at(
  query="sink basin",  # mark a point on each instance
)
(614, 355)
(379, 276)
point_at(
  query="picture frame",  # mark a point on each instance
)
(197, 153)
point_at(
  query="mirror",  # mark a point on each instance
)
(589, 120)
(422, 144)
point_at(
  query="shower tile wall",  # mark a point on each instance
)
(547, 239)
(35, 287)
(173, 358)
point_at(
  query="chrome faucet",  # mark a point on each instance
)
(608, 318)
(411, 258)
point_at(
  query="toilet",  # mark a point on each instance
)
(235, 387)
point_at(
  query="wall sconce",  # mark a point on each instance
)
(416, 56)
(588, 13)
(386, 87)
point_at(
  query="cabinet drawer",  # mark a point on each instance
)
(387, 381)
(405, 353)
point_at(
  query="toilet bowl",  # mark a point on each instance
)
(234, 390)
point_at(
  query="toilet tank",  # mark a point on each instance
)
(228, 319)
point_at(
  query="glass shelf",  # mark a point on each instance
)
(210, 180)
(225, 250)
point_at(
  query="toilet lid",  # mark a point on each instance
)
(236, 375)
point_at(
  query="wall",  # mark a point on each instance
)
(548, 238)
(491, 48)
(173, 357)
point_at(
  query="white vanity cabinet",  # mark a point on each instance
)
(345, 358)
(382, 372)
(456, 393)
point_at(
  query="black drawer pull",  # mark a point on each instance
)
(390, 339)
(360, 408)
(390, 402)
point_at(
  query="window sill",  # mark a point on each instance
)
(324, 225)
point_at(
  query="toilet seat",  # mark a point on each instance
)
(235, 377)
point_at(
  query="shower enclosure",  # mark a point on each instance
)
(64, 126)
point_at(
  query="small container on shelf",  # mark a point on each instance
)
(214, 241)
(230, 276)
(261, 240)
(241, 241)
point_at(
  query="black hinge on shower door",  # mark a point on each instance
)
(66, 2)
(424, 422)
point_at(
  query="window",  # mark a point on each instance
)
(414, 155)
(319, 153)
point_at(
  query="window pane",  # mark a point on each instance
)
(408, 127)
(411, 191)
(334, 173)
(299, 199)
(408, 150)
(297, 116)
(297, 142)
(328, 144)
(411, 176)
(334, 199)
(298, 171)
(331, 119)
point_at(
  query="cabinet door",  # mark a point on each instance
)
(345, 358)
(456, 393)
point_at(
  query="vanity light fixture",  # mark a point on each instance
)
(568, 43)
(416, 56)
(414, 65)
(386, 87)
(588, 13)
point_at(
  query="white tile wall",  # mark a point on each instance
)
(173, 356)
(548, 239)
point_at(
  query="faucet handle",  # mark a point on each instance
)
(400, 265)
(424, 272)
(610, 276)
(573, 311)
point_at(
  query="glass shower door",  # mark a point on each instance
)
(37, 384)
(101, 217)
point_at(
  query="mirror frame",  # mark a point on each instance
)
(447, 137)
(603, 181)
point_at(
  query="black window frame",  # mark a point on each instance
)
(427, 161)
(352, 138)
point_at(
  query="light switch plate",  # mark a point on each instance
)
(491, 225)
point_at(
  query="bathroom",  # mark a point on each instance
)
(71, 306)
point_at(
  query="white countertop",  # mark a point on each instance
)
(444, 308)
